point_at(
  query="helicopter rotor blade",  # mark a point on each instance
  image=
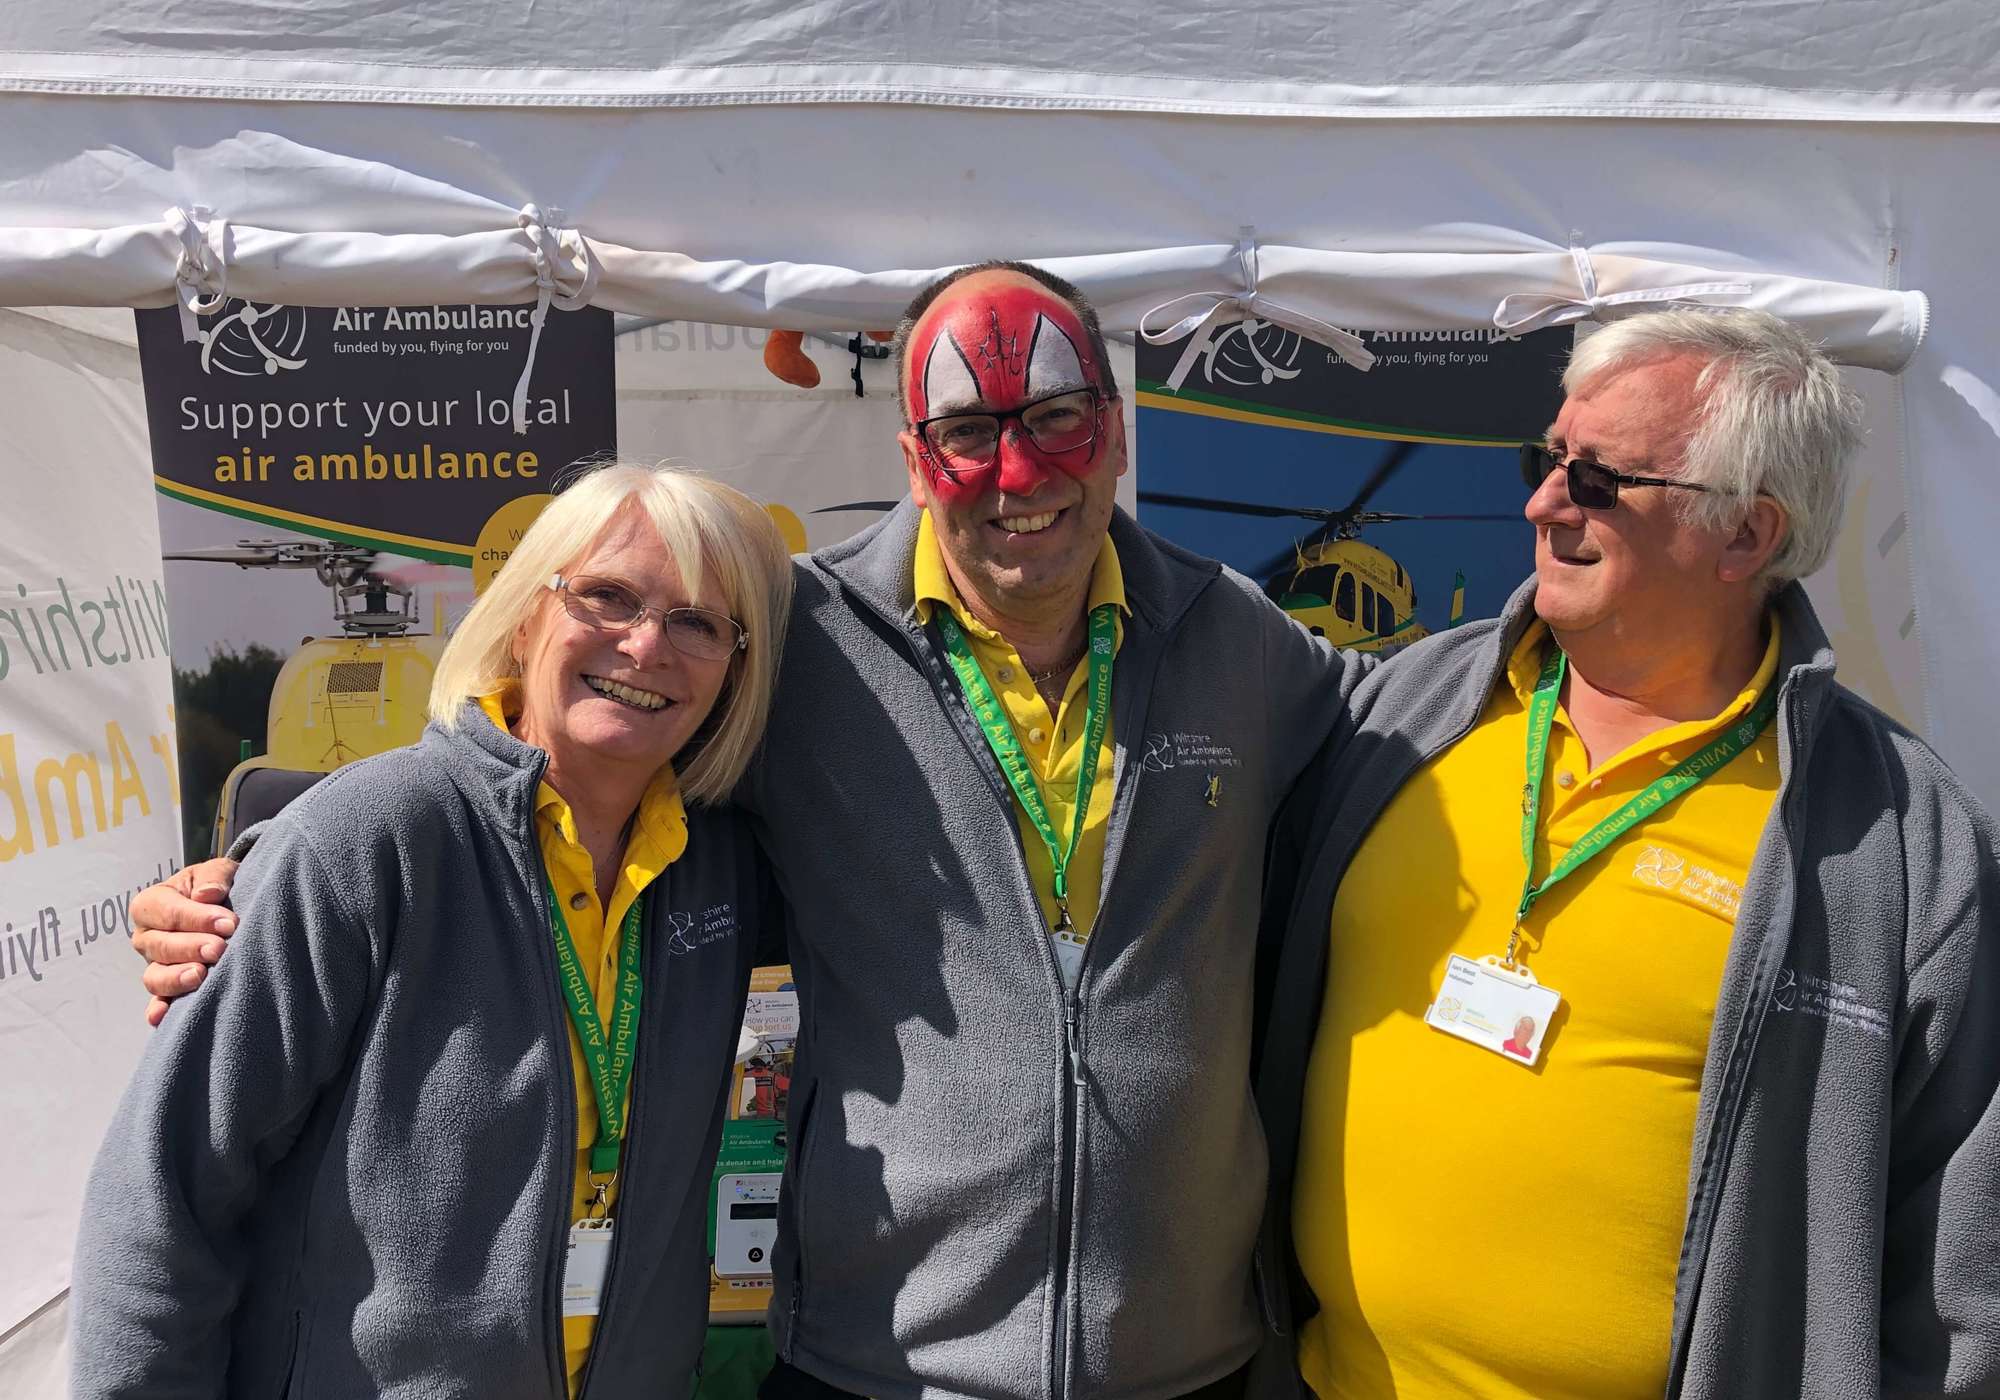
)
(859, 505)
(1392, 462)
(1389, 517)
(276, 556)
(1289, 556)
(243, 558)
(1168, 498)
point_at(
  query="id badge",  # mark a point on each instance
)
(1498, 1008)
(1069, 955)
(584, 1267)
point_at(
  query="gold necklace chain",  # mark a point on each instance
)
(1044, 677)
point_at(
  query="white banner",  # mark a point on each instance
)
(88, 792)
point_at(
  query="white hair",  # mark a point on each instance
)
(1774, 420)
(708, 529)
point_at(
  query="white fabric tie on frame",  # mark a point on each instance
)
(1522, 312)
(1248, 305)
(201, 271)
(547, 244)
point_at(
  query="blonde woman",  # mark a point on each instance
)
(443, 1123)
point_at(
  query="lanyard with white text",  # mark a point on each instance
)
(1704, 763)
(1007, 749)
(609, 1063)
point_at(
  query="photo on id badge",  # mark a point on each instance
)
(1501, 1009)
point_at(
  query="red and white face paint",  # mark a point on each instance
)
(993, 351)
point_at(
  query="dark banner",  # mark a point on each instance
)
(385, 426)
(335, 486)
(1377, 507)
(1470, 385)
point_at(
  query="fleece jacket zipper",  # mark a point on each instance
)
(1067, 1003)
(563, 1100)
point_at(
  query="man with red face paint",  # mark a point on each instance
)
(1022, 763)
(1021, 499)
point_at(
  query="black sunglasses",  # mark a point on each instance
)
(1592, 485)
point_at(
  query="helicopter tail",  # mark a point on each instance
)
(1457, 599)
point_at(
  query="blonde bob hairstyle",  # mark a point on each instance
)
(710, 530)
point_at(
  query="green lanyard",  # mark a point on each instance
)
(1007, 749)
(1705, 763)
(610, 1064)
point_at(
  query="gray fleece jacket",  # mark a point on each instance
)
(1843, 1214)
(344, 1168)
(997, 1189)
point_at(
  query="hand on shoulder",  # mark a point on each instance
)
(180, 926)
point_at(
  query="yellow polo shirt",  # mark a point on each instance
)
(1053, 745)
(659, 835)
(1473, 1226)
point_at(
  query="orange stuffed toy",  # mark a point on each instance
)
(785, 356)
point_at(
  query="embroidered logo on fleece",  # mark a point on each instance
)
(699, 928)
(1184, 749)
(1836, 1003)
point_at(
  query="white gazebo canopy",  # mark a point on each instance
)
(1334, 166)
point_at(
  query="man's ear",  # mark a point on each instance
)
(913, 463)
(1759, 537)
(1114, 432)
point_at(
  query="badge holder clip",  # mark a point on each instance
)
(1495, 1003)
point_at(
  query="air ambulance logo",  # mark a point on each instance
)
(1785, 996)
(1656, 866)
(1251, 352)
(690, 931)
(248, 340)
(681, 939)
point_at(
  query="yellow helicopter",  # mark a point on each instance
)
(336, 698)
(1339, 586)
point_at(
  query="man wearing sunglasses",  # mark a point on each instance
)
(1659, 964)
(1017, 784)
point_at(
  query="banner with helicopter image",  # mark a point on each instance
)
(334, 486)
(1376, 507)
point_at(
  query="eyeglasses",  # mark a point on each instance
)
(969, 441)
(612, 607)
(1592, 485)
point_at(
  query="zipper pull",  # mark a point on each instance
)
(1075, 1041)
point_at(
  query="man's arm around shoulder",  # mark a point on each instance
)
(1311, 686)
